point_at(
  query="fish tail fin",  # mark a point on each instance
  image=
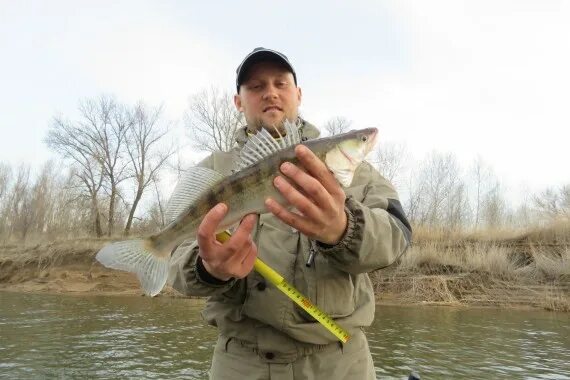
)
(138, 256)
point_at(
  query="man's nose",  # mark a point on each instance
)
(270, 92)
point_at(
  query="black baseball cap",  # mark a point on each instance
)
(262, 54)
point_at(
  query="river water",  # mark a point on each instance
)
(61, 337)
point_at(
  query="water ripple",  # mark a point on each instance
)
(114, 337)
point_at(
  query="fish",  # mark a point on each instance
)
(244, 192)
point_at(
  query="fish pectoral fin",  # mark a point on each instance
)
(193, 183)
(136, 256)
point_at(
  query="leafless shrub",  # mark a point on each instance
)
(213, 120)
(5, 178)
(110, 147)
(390, 160)
(435, 191)
(337, 125)
(553, 204)
(146, 155)
(19, 203)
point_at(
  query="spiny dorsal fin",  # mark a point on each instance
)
(193, 183)
(262, 144)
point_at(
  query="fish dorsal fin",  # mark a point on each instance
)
(193, 183)
(262, 144)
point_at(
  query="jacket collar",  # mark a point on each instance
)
(308, 132)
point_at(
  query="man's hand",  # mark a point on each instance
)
(320, 200)
(234, 258)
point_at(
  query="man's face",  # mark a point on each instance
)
(268, 96)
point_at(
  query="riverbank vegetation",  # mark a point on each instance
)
(483, 268)
(473, 244)
(473, 269)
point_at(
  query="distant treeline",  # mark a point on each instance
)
(114, 155)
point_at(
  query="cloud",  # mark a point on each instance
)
(485, 78)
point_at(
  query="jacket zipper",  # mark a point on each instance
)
(312, 253)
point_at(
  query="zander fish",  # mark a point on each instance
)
(244, 192)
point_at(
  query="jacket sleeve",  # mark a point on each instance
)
(377, 232)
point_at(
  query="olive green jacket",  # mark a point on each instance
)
(337, 282)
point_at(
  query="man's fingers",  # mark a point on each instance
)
(244, 251)
(233, 249)
(248, 222)
(297, 199)
(296, 221)
(317, 168)
(205, 234)
(248, 261)
(307, 183)
(243, 232)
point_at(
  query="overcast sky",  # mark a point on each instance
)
(488, 78)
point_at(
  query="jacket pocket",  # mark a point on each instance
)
(335, 289)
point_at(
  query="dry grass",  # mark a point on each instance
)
(557, 232)
(498, 268)
(435, 257)
(541, 254)
(484, 268)
(37, 257)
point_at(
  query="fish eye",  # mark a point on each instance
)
(364, 138)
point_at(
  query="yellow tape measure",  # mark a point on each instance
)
(276, 279)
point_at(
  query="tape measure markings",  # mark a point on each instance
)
(290, 291)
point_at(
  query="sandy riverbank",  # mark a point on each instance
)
(69, 267)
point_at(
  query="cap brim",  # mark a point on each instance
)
(261, 56)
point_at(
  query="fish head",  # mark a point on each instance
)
(348, 152)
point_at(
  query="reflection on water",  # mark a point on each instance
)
(443, 343)
(46, 336)
(102, 337)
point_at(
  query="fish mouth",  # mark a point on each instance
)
(350, 159)
(373, 136)
(272, 108)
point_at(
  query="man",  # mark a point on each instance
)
(355, 230)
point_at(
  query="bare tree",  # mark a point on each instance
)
(522, 217)
(71, 214)
(107, 123)
(74, 141)
(160, 206)
(5, 174)
(21, 213)
(389, 159)
(414, 204)
(483, 182)
(437, 186)
(552, 203)
(494, 207)
(42, 197)
(155, 216)
(457, 209)
(146, 155)
(213, 120)
(337, 125)
(5, 177)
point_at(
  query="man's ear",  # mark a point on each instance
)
(237, 102)
(299, 94)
